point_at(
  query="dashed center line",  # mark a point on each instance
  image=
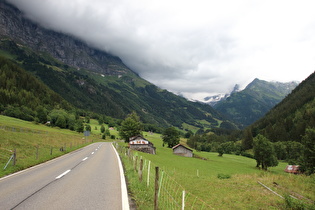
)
(58, 177)
(64, 173)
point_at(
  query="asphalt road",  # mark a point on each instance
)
(89, 178)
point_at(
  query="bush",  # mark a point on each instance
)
(245, 154)
(291, 203)
(224, 176)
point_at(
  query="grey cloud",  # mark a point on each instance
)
(190, 47)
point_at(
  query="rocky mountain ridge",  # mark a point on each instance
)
(254, 101)
(64, 48)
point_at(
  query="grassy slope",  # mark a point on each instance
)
(25, 137)
(241, 191)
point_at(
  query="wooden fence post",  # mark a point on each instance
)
(148, 177)
(51, 149)
(14, 157)
(140, 170)
(136, 162)
(156, 188)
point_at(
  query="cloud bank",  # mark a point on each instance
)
(196, 48)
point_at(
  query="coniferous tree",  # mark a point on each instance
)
(102, 129)
(130, 127)
(308, 154)
(88, 127)
(247, 142)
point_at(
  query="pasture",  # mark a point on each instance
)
(228, 182)
(35, 143)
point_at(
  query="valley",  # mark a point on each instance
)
(59, 95)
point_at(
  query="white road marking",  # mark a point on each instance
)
(85, 159)
(64, 173)
(92, 153)
(124, 192)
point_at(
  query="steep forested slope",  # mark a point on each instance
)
(24, 96)
(252, 103)
(288, 120)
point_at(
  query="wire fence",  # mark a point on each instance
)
(166, 191)
(22, 130)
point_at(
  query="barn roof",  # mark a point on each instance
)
(137, 137)
(182, 146)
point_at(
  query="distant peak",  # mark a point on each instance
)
(236, 88)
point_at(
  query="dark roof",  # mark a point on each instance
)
(136, 137)
(182, 146)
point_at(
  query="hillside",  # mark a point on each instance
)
(23, 96)
(252, 103)
(288, 120)
(93, 80)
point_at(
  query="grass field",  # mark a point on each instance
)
(240, 191)
(196, 176)
(36, 143)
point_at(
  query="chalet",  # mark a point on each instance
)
(141, 144)
(294, 169)
(182, 151)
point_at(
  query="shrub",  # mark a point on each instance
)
(224, 176)
(245, 154)
(291, 203)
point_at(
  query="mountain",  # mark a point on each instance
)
(252, 103)
(213, 100)
(94, 80)
(289, 119)
(62, 47)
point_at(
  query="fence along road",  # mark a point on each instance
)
(89, 178)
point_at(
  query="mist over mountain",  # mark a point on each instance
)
(213, 100)
(94, 80)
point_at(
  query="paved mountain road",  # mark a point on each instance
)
(89, 178)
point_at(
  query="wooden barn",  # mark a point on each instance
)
(141, 144)
(182, 151)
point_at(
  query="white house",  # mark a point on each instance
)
(141, 144)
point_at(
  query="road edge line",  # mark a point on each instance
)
(43, 163)
(124, 192)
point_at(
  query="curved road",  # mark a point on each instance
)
(89, 178)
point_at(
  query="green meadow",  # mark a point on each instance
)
(228, 182)
(35, 143)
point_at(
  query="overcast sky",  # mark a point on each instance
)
(194, 47)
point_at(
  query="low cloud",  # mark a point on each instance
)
(196, 48)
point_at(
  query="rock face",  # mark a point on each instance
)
(62, 47)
